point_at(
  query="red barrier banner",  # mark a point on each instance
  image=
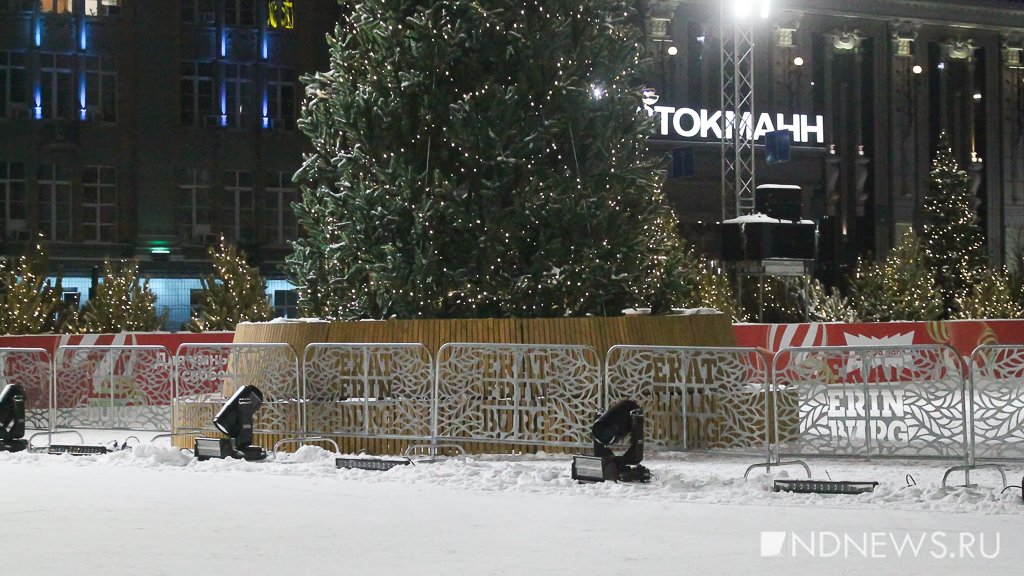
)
(963, 335)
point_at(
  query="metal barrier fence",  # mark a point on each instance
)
(870, 401)
(32, 369)
(541, 395)
(372, 391)
(996, 396)
(693, 397)
(113, 387)
(209, 373)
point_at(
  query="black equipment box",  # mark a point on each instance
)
(761, 240)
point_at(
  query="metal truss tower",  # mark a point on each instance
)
(739, 121)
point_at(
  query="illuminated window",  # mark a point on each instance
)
(281, 225)
(280, 14)
(237, 207)
(281, 89)
(194, 205)
(55, 84)
(239, 13)
(55, 6)
(12, 200)
(238, 94)
(102, 7)
(99, 204)
(13, 103)
(54, 202)
(197, 97)
(101, 88)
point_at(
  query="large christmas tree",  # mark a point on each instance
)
(954, 245)
(482, 158)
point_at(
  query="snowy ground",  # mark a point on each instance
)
(154, 510)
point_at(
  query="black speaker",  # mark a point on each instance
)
(776, 146)
(779, 201)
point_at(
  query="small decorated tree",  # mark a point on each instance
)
(953, 242)
(234, 293)
(28, 304)
(902, 287)
(122, 302)
(991, 296)
(712, 287)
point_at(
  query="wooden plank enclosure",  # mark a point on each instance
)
(600, 333)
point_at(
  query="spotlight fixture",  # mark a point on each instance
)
(234, 420)
(798, 61)
(917, 69)
(672, 50)
(622, 426)
(12, 419)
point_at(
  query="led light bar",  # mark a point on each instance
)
(76, 449)
(370, 463)
(824, 487)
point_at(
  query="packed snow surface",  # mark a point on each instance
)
(153, 509)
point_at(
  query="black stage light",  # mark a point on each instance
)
(824, 486)
(234, 420)
(623, 422)
(12, 419)
(76, 449)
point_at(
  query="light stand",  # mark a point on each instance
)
(12, 419)
(622, 422)
(235, 419)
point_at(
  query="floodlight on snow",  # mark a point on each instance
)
(621, 428)
(235, 420)
(12, 419)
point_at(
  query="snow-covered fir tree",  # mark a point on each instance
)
(478, 158)
(28, 303)
(122, 303)
(234, 293)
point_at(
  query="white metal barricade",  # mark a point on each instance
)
(693, 397)
(32, 369)
(378, 391)
(870, 401)
(113, 387)
(530, 394)
(207, 374)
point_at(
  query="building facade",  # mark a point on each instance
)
(866, 87)
(147, 129)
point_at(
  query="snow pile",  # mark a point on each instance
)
(683, 478)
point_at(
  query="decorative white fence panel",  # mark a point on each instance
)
(368, 390)
(997, 402)
(870, 401)
(209, 373)
(544, 395)
(32, 369)
(113, 387)
(693, 397)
